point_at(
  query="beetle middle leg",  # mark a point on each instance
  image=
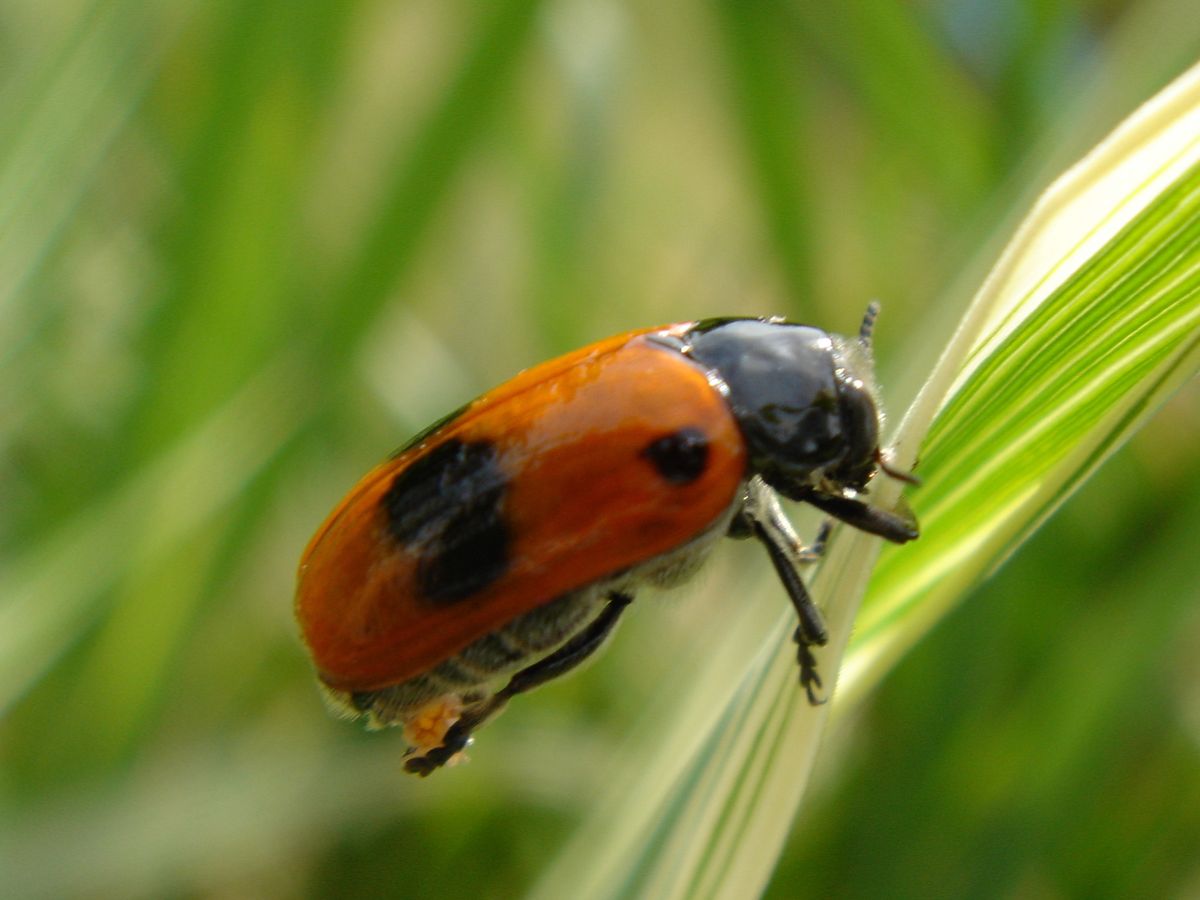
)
(762, 518)
(563, 660)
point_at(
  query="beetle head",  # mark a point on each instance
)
(803, 398)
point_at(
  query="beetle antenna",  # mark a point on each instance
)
(890, 472)
(868, 324)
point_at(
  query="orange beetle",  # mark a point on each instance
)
(510, 536)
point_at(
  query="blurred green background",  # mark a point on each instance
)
(246, 249)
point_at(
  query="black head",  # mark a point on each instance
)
(803, 398)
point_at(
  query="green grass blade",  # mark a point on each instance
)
(47, 605)
(59, 121)
(424, 171)
(771, 107)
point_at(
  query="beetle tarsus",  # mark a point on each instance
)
(810, 679)
(457, 739)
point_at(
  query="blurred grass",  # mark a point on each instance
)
(246, 249)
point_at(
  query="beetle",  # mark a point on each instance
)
(508, 538)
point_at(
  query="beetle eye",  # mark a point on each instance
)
(860, 424)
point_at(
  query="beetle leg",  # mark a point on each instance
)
(765, 518)
(561, 661)
(810, 679)
(570, 654)
(812, 625)
(774, 531)
(814, 551)
(895, 527)
(760, 502)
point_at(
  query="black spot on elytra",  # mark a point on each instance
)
(679, 457)
(448, 508)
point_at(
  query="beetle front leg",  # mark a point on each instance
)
(894, 527)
